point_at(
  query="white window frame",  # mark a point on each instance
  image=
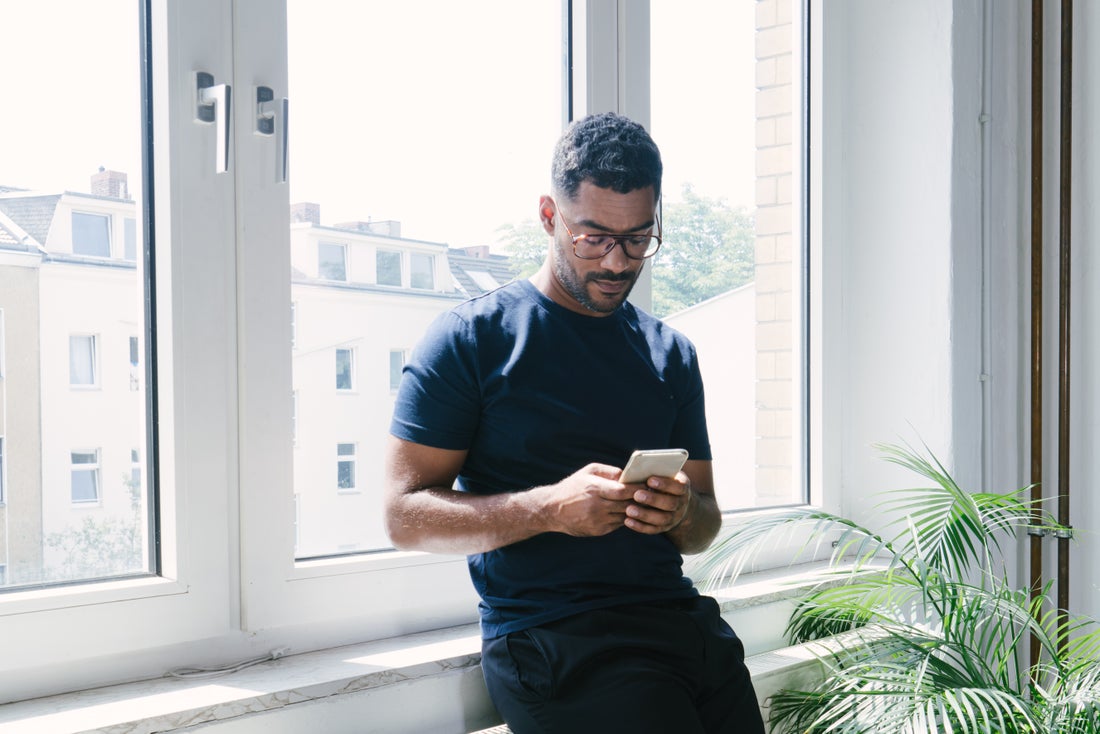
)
(378, 253)
(231, 588)
(351, 460)
(107, 218)
(93, 343)
(351, 368)
(404, 356)
(344, 258)
(94, 468)
(430, 258)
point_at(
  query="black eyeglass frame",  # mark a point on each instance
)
(616, 239)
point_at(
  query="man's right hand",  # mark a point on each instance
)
(589, 502)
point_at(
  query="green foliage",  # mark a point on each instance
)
(525, 244)
(929, 628)
(100, 547)
(708, 249)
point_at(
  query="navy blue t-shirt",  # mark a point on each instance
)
(533, 392)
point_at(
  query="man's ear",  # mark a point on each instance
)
(547, 209)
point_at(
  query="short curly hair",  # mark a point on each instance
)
(611, 151)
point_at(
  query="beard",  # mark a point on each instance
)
(576, 285)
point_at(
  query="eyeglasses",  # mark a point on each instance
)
(596, 246)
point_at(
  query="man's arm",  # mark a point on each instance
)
(424, 512)
(683, 507)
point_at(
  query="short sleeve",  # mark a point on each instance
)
(439, 399)
(690, 428)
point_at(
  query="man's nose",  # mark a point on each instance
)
(615, 259)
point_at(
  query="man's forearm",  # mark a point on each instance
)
(699, 526)
(442, 520)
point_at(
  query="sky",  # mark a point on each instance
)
(438, 114)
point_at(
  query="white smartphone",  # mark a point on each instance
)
(653, 463)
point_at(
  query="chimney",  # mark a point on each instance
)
(111, 184)
(306, 211)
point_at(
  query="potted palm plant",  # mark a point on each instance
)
(922, 628)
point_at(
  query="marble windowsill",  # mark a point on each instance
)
(166, 704)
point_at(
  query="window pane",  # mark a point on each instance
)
(397, 361)
(389, 268)
(728, 273)
(343, 369)
(84, 485)
(91, 235)
(421, 271)
(410, 168)
(82, 360)
(71, 291)
(330, 262)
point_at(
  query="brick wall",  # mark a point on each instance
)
(775, 274)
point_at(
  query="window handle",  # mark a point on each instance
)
(267, 108)
(212, 104)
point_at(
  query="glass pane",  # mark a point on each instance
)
(330, 262)
(399, 153)
(728, 273)
(70, 182)
(389, 268)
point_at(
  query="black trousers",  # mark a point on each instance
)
(663, 668)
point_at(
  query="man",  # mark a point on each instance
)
(511, 426)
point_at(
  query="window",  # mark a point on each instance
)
(91, 234)
(130, 239)
(731, 213)
(331, 261)
(421, 271)
(135, 474)
(135, 355)
(397, 362)
(82, 360)
(388, 265)
(345, 466)
(233, 353)
(84, 487)
(345, 369)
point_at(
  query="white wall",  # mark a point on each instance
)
(891, 247)
(929, 263)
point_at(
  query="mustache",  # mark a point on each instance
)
(610, 276)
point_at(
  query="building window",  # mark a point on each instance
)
(388, 264)
(135, 471)
(345, 369)
(84, 487)
(129, 232)
(421, 271)
(397, 362)
(332, 261)
(91, 234)
(345, 466)
(134, 358)
(82, 360)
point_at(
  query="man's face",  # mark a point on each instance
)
(595, 287)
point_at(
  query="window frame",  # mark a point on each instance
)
(107, 220)
(350, 351)
(93, 361)
(94, 467)
(343, 248)
(379, 252)
(226, 581)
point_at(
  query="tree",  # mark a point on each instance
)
(101, 547)
(709, 249)
(526, 244)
